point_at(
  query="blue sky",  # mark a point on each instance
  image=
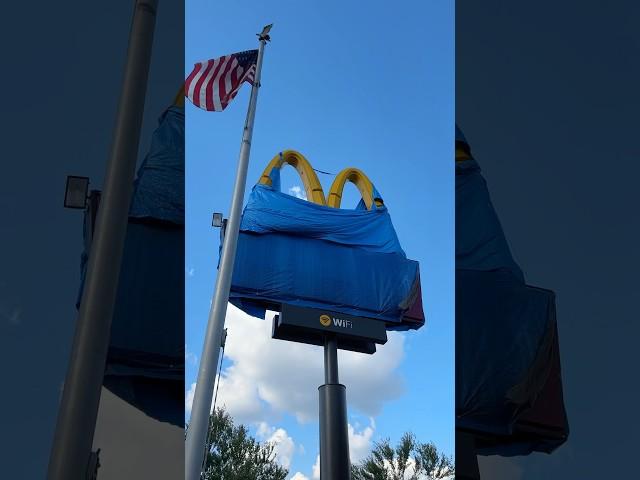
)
(345, 85)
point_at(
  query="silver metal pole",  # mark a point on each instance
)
(81, 396)
(200, 410)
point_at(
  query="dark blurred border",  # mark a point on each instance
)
(547, 96)
(61, 80)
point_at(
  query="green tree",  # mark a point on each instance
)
(409, 460)
(233, 454)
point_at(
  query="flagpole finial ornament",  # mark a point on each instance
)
(264, 35)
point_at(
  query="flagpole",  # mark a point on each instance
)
(200, 410)
(78, 410)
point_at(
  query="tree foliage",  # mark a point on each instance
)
(409, 460)
(233, 454)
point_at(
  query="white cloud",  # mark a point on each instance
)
(316, 469)
(360, 442)
(190, 357)
(269, 376)
(188, 397)
(284, 446)
(299, 476)
(191, 272)
(298, 191)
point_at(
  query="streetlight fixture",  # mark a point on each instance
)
(76, 190)
(217, 219)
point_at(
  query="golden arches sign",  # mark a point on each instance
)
(312, 185)
(360, 180)
(308, 176)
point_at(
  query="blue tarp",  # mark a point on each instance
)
(145, 364)
(294, 251)
(159, 186)
(158, 190)
(505, 333)
(480, 241)
(270, 211)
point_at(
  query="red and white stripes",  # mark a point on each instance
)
(214, 83)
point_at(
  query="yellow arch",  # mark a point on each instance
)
(309, 178)
(360, 180)
(462, 154)
(179, 100)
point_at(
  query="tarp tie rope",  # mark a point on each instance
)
(325, 173)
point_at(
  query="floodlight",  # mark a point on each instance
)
(217, 220)
(75, 195)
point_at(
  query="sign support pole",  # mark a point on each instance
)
(466, 457)
(334, 437)
(198, 424)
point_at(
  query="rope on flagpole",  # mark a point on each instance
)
(208, 444)
(224, 341)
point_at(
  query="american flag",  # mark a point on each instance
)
(214, 83)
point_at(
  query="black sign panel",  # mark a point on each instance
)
(310, 325)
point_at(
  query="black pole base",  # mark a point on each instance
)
(334, 437)
(466, 457)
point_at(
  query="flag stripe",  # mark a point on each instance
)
(228, 87)
(196, 91)
(217, 93)
(216, 79)
(214, 83)
(189, 81)
(219, 63)
(195, 75)
(209, 93)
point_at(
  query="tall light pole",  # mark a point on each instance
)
(78, 411)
